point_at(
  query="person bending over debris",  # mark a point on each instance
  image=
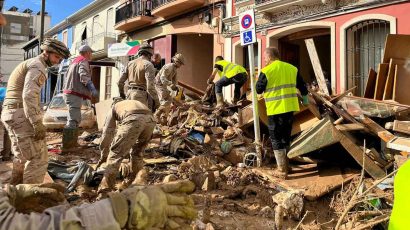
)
(229, 73)
(135, 127)
(140, 74)
(167, 76)
(165, 206)
(22, 115)
(279, 82)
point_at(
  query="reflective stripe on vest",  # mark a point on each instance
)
(229, 69)
(280, 93)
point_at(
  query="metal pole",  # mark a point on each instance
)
(43, 9)
(255, 105)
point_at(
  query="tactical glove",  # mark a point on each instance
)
(92, 89)
(35, 197)
(155, 207)
(39, 130)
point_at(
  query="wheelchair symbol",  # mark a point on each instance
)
(247, 37)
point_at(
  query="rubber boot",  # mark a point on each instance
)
(282, 162)
(70, 136)
(219, 100)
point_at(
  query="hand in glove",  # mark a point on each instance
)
(210, 80)
(305, 100)
(35, 197)
(39, 130)
(155, 207)
(125, 169)
(92, 89)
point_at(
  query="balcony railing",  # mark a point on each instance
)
(94, 39)
(159, 3)
(132, 9)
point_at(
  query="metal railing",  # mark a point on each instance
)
(132, 9)
(159, 3)
(261, 1)
(91, 40)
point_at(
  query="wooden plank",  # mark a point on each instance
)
(302, 121)
(381, 80)
(314, 58)
(313, 180)
(401, 92)
(371, 84)
(400, 144)
(396, 46)
(350, 127)
(401, 126)
(376, 129)
(357, 153)
(342, 95)
(388, 88)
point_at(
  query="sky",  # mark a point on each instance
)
(57, 9)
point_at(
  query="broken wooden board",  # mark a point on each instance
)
(396, 46)
(376, 129)
(317, 67)
(313, 180)
(303, 120)
(101, 109)
(401, 92)
(161, 160)
(349, 127)
(320, 135)
(342, 95)
(371, 84)
(401, 126)
(246, 113)
(348, 142)
(400, 144)
(381, 80)
(391, 75)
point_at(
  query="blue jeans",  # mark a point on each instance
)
(239, 80)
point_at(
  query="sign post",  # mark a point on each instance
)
(248, 38)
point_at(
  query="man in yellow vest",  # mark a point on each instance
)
(401, 206)
(279, 82)
(230, 73)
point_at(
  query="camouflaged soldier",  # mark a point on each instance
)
(140, 74)
(22, 115)
(134, 124)
(167, 77)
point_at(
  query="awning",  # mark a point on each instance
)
(124, 49)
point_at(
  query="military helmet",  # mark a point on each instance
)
(145, 48)
(179, 58)
(55, 46)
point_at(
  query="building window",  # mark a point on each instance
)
(65, 37)
(15, 28)
(364, 50)
(96, 25)
(110, 20)
(108, 79)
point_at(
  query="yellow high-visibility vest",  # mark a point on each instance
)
(280, 93)
(399, 219)
(229, 69)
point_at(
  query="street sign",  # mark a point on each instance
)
(247, 27)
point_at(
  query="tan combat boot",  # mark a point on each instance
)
(219, 100)
(282, 162)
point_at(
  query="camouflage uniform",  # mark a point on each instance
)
(140, 74)
(167, 76)
(135, 127)
(21, 110)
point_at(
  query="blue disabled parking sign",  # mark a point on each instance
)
(247, 37)
(247, 27)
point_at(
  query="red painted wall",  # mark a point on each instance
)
(163, 47)
(400, 11)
